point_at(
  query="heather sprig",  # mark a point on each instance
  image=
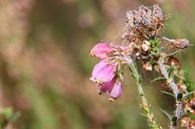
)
(144, 44)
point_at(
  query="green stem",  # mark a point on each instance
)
(143, 101)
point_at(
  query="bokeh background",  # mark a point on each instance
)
(45, 64)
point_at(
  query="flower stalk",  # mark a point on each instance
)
(173, 86)
(143, 101)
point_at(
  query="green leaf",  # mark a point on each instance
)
(188, 94)
(192, 116)
(174, 53)
(167, 93)
(143, 115)
(166, 114)
(171, 72)
(158, 79)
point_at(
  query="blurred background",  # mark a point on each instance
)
(45, 64)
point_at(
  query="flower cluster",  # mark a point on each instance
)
(106, 72)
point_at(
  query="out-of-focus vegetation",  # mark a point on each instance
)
(45, 67)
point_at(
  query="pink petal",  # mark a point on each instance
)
(103, 72)
(116, 91)
(106, 87)
(101, 50)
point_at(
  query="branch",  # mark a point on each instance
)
(143, 103)
(173, 86)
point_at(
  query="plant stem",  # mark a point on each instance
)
(173, 86)
(166, 76)
(143, 101)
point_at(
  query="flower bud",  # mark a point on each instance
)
(101, 50)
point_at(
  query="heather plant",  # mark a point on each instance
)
(143, 45)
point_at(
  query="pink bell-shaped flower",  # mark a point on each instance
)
(101, 50)
(103, 72)
(107, 86)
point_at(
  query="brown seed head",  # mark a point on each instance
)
(182, 88)
(144, 22)
(147, 66)
(172, 61)
(181, 43)
(185, 121)
(192, 124)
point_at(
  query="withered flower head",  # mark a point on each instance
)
(172, 61)
(192, 103)
(147, 66)
(192, 124)
(145, 46)
(181, 87)
(181, 43)
(144, 22)
(185, 122)
(189, 106)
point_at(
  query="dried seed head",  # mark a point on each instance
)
(189, 106)
(146, 45)
(144, 22)
(192, 124)
(157, 12)
(185, 121)
(192, 103)
(182, 88)
(172, 61)
(181, 43)
(147, 66)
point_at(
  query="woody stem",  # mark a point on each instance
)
(173, 86)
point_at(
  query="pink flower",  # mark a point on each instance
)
(101, 50)
(103, 72)
(106, 87)
(112, 88)
(116, 90)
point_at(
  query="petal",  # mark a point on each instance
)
(116, 91)
(103, 71)
(107, 87)
(101, 50)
